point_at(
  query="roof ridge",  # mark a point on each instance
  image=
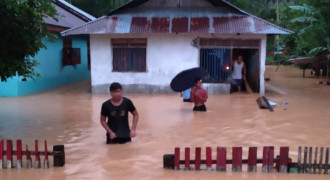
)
(87, 23)
(272, 24)
(75, 10)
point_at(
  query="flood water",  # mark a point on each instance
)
(70, 115)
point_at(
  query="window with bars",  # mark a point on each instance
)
(215, 61)
(129, 55)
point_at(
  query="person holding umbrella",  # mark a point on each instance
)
(198, 95)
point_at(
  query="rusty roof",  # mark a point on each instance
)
(218, 19)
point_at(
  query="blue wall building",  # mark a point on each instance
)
(65, 60)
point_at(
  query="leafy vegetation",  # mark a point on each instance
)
(310, 22)
(22, 31)
(97, 8)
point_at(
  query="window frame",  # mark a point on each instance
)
(130, 44)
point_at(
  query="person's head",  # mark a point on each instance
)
(198, 82)
(239, 59)
(116, 91)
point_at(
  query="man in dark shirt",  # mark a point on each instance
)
(116, 110)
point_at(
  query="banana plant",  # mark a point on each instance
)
(312, 24)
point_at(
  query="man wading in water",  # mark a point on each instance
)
(116, 110)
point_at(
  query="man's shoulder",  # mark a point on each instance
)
(125, 99)
(107, 102)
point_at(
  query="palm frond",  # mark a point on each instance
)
(304, 30)
(304, 9)
(317, 50)
(303, 19)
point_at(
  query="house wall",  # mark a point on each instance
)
(53, 74)
(263, 45)
(167, 55)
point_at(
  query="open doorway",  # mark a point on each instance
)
(251, 61)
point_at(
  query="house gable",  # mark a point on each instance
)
(176, 3)
(177, 16)
(143, 4)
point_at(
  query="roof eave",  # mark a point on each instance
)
(85, 17)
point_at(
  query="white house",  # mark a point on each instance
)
(145, 43)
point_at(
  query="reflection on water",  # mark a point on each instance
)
(70, 116)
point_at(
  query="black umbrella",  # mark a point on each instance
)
(186, 79)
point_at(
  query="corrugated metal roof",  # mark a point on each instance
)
(67, 18)
(200, 25)
(180, 25)
(74, 8)
(138, 25)
(220, 18)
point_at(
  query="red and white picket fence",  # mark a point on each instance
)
(7, 155)
(269, 162)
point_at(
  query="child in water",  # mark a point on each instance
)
(198, 95)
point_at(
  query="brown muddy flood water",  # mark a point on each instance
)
(70, 116)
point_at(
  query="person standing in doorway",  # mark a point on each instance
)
(239, 72)
(116, 111)
(198, 95)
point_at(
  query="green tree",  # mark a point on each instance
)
(97, 8)
(312, 36)
(22, 31)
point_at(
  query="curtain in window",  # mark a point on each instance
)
(129, 59)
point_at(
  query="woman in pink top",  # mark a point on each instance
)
(198, 95)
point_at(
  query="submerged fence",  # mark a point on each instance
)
(269, 162)
(8, 154)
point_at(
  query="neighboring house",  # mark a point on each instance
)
(65, 60)
(145, 43)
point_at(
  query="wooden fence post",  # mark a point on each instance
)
(19, 153)
(320, 162)
(208, 158)
(305, 160)
(37, 156)
(1, 154)
(198, 154)
(187, 158)
(9, 154)
(326, 161)
(221, 158)
(177, 158)
(252, 159)
(237, 159)
(28, 158)
(284, 159)
(46, 162)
